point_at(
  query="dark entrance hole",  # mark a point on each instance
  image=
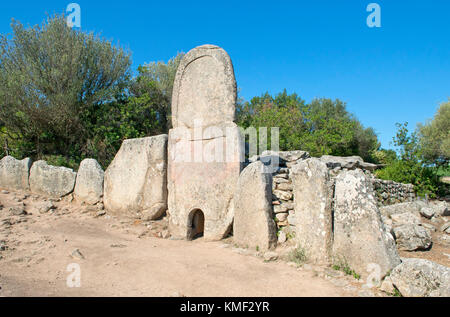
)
(197, 224)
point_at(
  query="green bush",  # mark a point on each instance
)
(409, 167)
(298, 256)
(425, 179)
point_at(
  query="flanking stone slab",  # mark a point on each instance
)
(14, 174)
(135, 183)
(253, 225)
(89, 182)
(313, 197)
(50, 180)
(360, 238)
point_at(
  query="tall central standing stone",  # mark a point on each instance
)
(205, 149)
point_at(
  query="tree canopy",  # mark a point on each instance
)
(321, 127)
(52, 80)
(435, 137)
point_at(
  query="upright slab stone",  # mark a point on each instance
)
(53, 181)
(313, 197)
(136, 181)
(14, 174)
(89, 182)
(205, 148)
(360, 238)
(253, 225)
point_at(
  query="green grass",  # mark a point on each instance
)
(342, 265)
(298, 256)
(396, 293)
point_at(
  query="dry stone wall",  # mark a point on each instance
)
(281, 164)
(389, 192)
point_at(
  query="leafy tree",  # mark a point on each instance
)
(157, 77)
(435, 137)
(284, 112)
(384, 156)
(143, 111)
(53, 79)
(407, 167)
(322, 127)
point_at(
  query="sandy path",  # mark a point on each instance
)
(122, 261)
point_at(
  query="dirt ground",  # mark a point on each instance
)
(124, 257)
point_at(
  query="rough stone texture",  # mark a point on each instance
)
(204, 88)
(281, 164)
(445, 227)
(349, 162)
(253, 225)
(387, 286)
(389, 192)
(405, 218)
(427, 212)
(51, 180)
(89, 183)
(313, 196)
(205, 147)
(136, 180)
(14, 173)
(413, 207)
(412, 237)
(421, 278)
(288, 156)
(360, 238)
(441, 208)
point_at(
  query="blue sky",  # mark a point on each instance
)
(399, 72)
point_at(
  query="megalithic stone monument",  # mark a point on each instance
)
(205, 150)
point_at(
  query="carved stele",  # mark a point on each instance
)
(205, 148)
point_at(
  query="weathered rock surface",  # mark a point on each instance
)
(413, 207)
(360, 238)
(421, 278)
(412, 237)
(427, 212)
(405, 218)
(14, 174)
(89, 182)
(204, 88)
(253, 225)
(136, 182)
(51, 180)
(288, 156)
(446, 227)
(349, 162)
(313, 196)
(205, 147)
(45, 207)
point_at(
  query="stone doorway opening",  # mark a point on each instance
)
(196, 224)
